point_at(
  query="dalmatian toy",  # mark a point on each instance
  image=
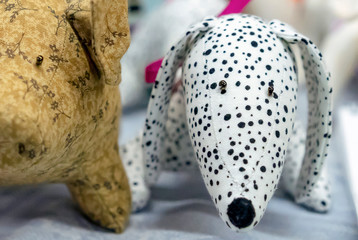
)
(235, 116)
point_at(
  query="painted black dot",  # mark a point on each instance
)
(277, 133)
(207, 52)
(227, 117)
(263, 169)
(285, 108)
(241, 125)
(254, 43)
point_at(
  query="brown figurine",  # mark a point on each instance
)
(59, 100)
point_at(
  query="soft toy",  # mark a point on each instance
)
(60, 101)
(153, 36)
(237, 114)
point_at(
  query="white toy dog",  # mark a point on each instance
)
(235, 117)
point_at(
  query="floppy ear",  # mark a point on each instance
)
(157, 114)
(319, 116)
(102, 28)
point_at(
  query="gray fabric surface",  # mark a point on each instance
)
(180, 209)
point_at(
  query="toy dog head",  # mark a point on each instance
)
(240, 84)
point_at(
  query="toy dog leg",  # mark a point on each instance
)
(179, 154)
(132, 157)
(104, 182)
(320, 197)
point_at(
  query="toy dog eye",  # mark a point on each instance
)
(39, 60)
(270, 91)
(223, 85)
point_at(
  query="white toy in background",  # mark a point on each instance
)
(310, 17)
(340, 49)
(331, 24)
(237, 114)
(153, 36)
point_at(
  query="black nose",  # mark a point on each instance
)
(241, 212)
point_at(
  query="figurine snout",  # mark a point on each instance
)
(241, 213)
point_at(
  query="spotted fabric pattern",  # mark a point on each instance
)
(320, 197)
(319, 129)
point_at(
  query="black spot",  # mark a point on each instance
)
(241, 125)
(277, 134)
(207, 52)
(195, 110)
(227, 117)
(254, 43)
(285, 108)
(263, 169)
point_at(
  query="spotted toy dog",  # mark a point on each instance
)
(235, 117)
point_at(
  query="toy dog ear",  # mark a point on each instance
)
(319, 116)
(157, 114)
(102, 28)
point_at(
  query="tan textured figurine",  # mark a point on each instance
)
(59, 100)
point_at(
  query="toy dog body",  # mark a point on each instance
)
(59, 109)
(240, 90)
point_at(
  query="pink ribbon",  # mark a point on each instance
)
(234, 6)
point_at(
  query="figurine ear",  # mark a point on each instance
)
(157, 114)
(102, 28)
(319, 116)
